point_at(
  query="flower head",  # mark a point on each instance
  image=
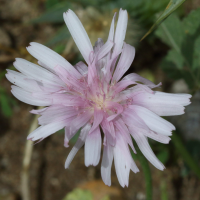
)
(96, 98)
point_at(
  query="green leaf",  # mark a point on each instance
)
(171, 32)
(183, 61)
(191, 22)
(171, 7)
(176, 58)
(55, 14)
(172, 64)
(172, 71)
(191, 44)
(50, 3)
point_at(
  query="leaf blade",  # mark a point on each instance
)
(171, 7)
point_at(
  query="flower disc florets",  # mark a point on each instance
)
(95, 96)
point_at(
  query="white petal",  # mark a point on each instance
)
(36, 72)
(147, 151)
(38, 112)
(46, 67)
(52, 114)
(98, 44)
(50, 58)
(123, 160)
(79, 34)
(93, 148)
(153, 121)
(125, 61)
(120, 31)
(131, 118)
(163, 104)
(45, 131)
(106, 164)
(68, 136)
(121, 126)
(137, 78)
(182, 99)
(112, 27)
(150, 134)
(121, 171)
(105, 49)
(23, 81)
(78, 144)
(27, 97)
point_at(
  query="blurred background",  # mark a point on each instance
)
(170, 54)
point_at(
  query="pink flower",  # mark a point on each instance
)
(95, 98)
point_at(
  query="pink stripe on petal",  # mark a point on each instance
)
(98, 117)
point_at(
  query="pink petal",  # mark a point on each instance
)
(80, 121)
(98, 117)
(109, 131)
(116, 106)
(82, 68)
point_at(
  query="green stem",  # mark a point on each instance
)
(185, 154)
(147, 173)
(163, 189)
